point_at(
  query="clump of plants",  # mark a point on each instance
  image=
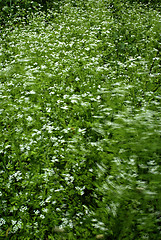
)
(80, 123)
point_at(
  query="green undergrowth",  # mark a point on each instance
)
(80, 123)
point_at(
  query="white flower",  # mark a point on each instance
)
(80, 190)
(48, 199)
(2, 221)
(77, 79)
(65, 107)
(45, 210)
(29, 118)
(31, 92)
(43, 67)
(82, 130)
(22, 209)
(42, 203)
(17, 226)
(37, 212)
(13, 222)
(49, 128)
(74, 101)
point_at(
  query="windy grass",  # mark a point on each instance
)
(80, 123)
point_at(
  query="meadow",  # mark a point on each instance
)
(80, 122)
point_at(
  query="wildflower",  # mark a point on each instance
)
(2, 221)
(29, 118)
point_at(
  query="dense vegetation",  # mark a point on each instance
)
(80, 123)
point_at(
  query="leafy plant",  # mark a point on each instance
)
(80, 121)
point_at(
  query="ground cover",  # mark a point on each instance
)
(80, 123)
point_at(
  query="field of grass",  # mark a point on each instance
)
(80, 123)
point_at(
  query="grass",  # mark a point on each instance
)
(80, 123)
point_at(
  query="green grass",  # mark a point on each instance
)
(80, 123)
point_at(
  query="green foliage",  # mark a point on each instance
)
(80, 121)
(21, 10)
